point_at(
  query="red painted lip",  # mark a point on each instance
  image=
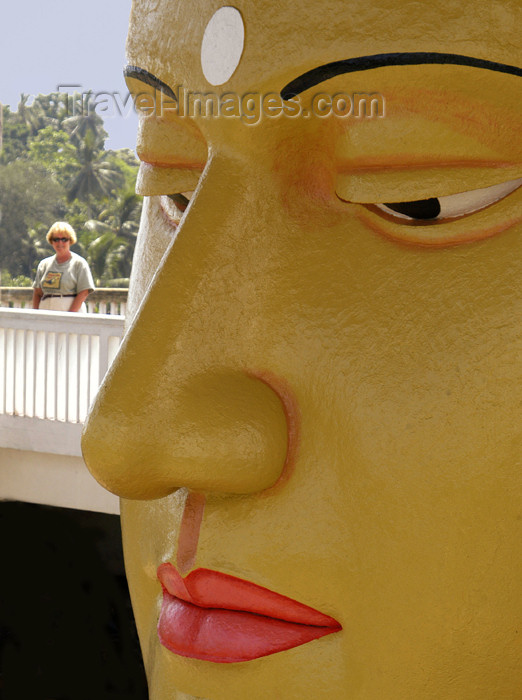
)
(216, 617)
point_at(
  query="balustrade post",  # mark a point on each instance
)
(44, 375)
(103, 363)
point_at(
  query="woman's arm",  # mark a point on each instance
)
(37, 297)
(79, 299)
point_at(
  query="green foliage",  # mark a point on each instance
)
(84, 120)
(53, 149)
(28, 196)
(125, 161)
(7, 280)
(53, 166)
(113, 237)
(97, 177)
(15, 137)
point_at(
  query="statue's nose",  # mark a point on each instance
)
(219, 431)
(185, 403)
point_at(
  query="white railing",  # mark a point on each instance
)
(107, 301)
(104, 300)
(53, 362)
(51, 365)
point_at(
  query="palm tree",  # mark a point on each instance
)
(27, 115)
(110, 251)
(97, 178)
(84, 120)
(46, 110)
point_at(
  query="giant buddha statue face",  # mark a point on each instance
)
(314, 418)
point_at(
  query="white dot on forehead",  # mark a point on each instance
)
(222, 45)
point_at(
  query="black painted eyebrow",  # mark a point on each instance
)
(353, 65)
(149, 79)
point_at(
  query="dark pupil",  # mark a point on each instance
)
(421, 209)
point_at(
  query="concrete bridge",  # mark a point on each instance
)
(51, 365)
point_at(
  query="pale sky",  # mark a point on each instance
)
(47, 43)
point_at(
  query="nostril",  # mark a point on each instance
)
(292, 416)
(219, 431)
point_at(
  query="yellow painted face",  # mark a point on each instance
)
(318, 398)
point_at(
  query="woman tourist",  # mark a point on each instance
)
(63, 280)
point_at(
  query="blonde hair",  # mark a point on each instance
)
(61, 228)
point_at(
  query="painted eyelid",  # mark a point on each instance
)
(460, 204)
(370, 183)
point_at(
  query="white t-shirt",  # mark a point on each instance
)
(70, 277)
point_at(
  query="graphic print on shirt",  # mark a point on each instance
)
(52, 280)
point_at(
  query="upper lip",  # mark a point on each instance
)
(212, 589)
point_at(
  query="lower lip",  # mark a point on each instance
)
(228, 636)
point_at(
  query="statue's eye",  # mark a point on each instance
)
(435, 209)
(174, 205)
